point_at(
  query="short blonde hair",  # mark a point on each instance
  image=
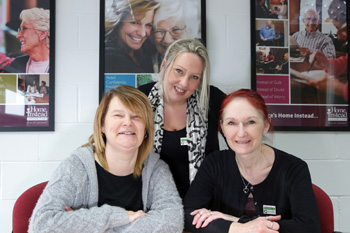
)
(40, 18)
(136, 101)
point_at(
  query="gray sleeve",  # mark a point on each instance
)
(165, 212)
(70, 186)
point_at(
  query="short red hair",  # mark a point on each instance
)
(253, 97)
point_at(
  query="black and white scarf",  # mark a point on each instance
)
(196, 127)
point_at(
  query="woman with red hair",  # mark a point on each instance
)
(251, 187)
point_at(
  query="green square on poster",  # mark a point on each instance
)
(8, 87)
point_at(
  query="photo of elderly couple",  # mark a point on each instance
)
(138, 32)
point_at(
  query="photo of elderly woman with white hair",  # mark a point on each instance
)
(174, 20)
(34, 37)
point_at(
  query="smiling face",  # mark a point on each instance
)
(311, 21)
(167, 26)
(243, 126)
(135, 30)
(29, 38)
(124, 129)
(183, 77)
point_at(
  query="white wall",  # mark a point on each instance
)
(29, 158)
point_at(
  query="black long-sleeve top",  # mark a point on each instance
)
(218, 185)
(176, 155)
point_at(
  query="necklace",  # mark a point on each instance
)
(245, 189)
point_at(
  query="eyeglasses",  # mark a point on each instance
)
(312, 20)
(23, 29)
(176, 33)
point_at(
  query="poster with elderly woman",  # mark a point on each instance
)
(135, 35)
(26, 65)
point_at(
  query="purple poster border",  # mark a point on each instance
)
(292, 104)
(27, 94)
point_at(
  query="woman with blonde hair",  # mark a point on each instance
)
(128, 24)
(114, 183)
(186, 110)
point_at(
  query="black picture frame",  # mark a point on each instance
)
(294, 102)
(27, 96)
(109, 79)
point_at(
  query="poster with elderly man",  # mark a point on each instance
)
(301, 63)
(26, 65)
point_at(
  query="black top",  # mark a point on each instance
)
(121, 191)
(18, 65)
(177, 153)
(117, 59)
(218, 186)
(176, 157)
(216, 98)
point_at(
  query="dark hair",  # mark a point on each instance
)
(253, 97)
(44, 83)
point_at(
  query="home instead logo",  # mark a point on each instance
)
(37, 114)
(337, 114)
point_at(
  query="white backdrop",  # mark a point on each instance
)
(29, 158)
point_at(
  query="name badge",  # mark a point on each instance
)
(269, 209)
(183, 141)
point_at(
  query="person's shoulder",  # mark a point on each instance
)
(84, 155)
(298, 33)
(153, 160)
(146, 88)
(214, 89)
(325, 37)
(216, 96)
(114, 53)
(220, 156)
(287, 158)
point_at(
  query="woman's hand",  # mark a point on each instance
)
(266, 224)
(135, 215)
(202, 217)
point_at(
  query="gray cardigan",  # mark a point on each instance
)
(75, 184)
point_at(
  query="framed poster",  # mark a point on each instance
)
(134, 35)
(300, 62)
(27, 45)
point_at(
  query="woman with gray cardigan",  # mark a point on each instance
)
(113, 183)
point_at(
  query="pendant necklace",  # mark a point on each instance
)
(245, 189)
